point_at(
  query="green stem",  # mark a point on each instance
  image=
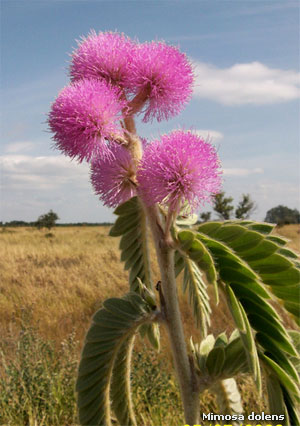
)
(173, 321)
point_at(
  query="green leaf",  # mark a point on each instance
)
(261, 251)
(263, 325)
(289, 277)
(197, 294)
(235, 309)
(235, 358)
(153, 334)
(207, 344)
(226, 258)
(272, 350)
(247, 241)
(120, 385)
(264, 255)
(251, 350)
(185, 238)
(192, 247)
(123, 225)
(221, 340)
(215, 361)
(131, 225)
(260, 309)
(263, 228)
(272, 264)
(282, 376)
(105, 361)
(275, 397)
(127, 208)
(292, 409)
(295, 336)
(293, 308)
(229, 233)
(287, 293)
(288, 253)
(248, 288)
(209, 228)
(278, 240)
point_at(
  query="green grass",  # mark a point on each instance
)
(37, 385)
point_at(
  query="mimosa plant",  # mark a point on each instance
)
(158, 186)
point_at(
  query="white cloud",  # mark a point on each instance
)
(213, 135)
(249, 83)
(15, 147)
(27, 172)
(242, 171)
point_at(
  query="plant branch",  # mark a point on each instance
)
(165, 255)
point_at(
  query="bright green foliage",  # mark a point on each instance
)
(220, 358)
(131, 225)
(190, 247)
(250, 262)
(264, 256)
(104, 370)
(217, 360)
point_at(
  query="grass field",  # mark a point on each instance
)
(51, 284)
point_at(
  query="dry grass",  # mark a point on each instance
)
(292, 233)
(56, 282)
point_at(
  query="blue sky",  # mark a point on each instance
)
(246, 98)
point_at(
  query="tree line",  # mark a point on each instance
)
(222, 206)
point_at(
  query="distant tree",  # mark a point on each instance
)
(222, 206)
(282, 215)
(46, 220)
(205, 216)
(245, 207)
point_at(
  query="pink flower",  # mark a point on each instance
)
(84, 116)
(112, 176)
(179, 168)
(166, 75)
(103, 56)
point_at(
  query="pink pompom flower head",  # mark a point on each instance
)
(84, 117)
(165, 75)
(107, 55)
(179, 169)
(112, 177)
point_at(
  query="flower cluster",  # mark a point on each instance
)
(167, 75)
(156, 74)
(105, 56)
(180, 168)
(112, 177)
(113, 78)
(85, 115)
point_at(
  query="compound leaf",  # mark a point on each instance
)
(104, 369)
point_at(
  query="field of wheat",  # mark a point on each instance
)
(51, 284)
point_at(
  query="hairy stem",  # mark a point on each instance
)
(173, 321)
